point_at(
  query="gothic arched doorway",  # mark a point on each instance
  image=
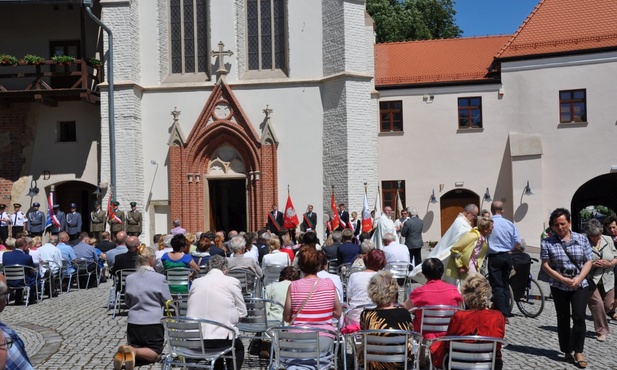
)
(452, 203)
(226, 191)
(597, 191)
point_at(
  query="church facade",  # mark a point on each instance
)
(220, 107)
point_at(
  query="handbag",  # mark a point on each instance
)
(592, 284)
(543, 275)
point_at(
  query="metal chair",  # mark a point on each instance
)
(433, 319)
(352, 338)
(301, 345)
(271, 275)
(177, 307)
(256, 321)
(333, 266)
(390, 346)
(471, 352)
(17, 273)
(400, 271)
(120, 281)
(82, 271)
(66, 274)
(178, 279)
(185, 343)
(248, 281)
(48, 279)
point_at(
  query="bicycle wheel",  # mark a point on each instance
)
(531, 303)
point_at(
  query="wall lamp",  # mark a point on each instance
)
(527, 190)
(487, 196)
(433, 199)
(34, 190)
(428, 99)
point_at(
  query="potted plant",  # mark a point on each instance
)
(63, 59)
(33, 59)
(94, 62)
(8, 60)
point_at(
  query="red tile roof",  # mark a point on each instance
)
(433, 61)
(559, 26)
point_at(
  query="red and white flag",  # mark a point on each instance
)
(111, 214)
(335, 221)
(367, 221)
(290, 220)
(52, 220)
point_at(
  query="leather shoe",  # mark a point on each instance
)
(119, 358)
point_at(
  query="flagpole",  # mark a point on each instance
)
(365, 192)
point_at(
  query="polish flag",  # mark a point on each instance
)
(110, 210)
(367, 221)
(335, 221)
(290, 220)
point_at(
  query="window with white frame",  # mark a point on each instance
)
(188, 36)
(266, 36)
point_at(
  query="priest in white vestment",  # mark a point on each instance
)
(383, 225)
(461, 225)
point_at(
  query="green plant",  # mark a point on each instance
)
(8, 59)
(94, 62)
(33, 59)
(63, 59)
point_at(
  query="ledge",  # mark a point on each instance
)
(572, 124)
(469, 130)
(392, 133)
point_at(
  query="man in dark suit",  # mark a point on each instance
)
(348, 251)
(105, 244)
(343, 216)
(17, 255)
(275, 220)
(332, 250)
(126, 260)
(309, 219)
(412, 232)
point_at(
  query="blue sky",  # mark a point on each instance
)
(492, 17)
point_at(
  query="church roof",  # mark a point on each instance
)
(564, 26)
(436, 61)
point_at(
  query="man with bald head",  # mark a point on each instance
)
(86, 251)
(501, 242)
(127, 260)
(119, 249)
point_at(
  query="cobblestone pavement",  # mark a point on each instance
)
(75, 331)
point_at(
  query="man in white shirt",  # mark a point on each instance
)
(394, 251)
(52, 255)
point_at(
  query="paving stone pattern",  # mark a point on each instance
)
(75, 331)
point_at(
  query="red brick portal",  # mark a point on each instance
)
(222, 121)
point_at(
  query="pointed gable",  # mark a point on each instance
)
(435, 61)
(561, 26)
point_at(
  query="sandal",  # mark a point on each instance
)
(579, 361)
(569, 358)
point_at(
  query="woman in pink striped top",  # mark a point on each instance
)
(312, 301)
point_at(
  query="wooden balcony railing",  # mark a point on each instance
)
(49, 82)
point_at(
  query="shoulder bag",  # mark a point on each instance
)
(589, 278)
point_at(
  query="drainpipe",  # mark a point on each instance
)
(110, 81)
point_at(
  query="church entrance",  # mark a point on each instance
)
(227, 204)
(453, 203)
(599, 195)
(77, 192)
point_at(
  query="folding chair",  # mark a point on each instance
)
(185, 344)
(17, 273)
(121, 283)
(300, 345)
(471, 352)
(390, 346)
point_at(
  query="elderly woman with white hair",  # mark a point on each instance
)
(600, 301)
(365, 247)
(239, 260)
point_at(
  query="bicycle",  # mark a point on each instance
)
(530, 299)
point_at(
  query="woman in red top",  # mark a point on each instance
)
(478, 319)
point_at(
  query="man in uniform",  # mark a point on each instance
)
(18, 220)
(4, 222)
(133, 221)
(115, 225)
(61, 219)
(309, 220)
(97, 221)
(36, 221)
(73, 222)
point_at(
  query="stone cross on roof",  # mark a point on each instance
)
(221, 54)
(268, 111)
(175, 113)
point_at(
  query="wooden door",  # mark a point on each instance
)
(453, 203)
